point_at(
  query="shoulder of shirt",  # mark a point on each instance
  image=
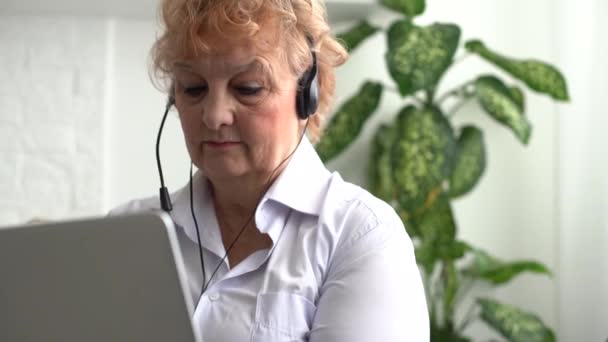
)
(135, 206)
(138, 205)
(354, 212)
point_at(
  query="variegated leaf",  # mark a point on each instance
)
(537, 75)
(518, 96)
(410, 8)
(380, 168)
(346, 124)
(417, 56)
(436, 229)
(470, 161)
(357, 34)
(497, 272)
(513, 323)
(423, 155)
(496, 99)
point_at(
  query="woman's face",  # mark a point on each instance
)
(234, 123)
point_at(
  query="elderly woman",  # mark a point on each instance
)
(276, 247)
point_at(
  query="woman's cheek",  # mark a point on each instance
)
(188, 129)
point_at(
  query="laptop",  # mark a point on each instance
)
(98, 280)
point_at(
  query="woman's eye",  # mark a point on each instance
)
(194, 91)
(249, 90)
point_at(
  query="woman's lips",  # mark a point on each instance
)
(221, 144)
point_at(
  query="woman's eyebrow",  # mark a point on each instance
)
(255, 64)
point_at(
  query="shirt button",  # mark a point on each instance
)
(214, 296)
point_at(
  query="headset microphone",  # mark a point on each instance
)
(165, 200)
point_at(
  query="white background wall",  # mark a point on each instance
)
(78, 121)
(52, 78)
(582, 211)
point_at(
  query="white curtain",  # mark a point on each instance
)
(582, 251)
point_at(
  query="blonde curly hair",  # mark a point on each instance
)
(190, 27)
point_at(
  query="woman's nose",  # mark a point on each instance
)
(217, 110)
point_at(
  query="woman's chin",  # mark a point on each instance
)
(221, 172)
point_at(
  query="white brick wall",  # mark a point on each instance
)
(52, 91)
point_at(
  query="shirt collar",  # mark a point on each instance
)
(203, 209)
(303, 183)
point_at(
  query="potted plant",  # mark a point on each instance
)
(421, 161)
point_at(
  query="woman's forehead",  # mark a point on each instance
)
(235, 48)
(226, 63)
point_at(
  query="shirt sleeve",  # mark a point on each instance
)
(373, 290)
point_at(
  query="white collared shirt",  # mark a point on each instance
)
(341, 267)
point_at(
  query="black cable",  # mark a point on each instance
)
(198, 234)
(268, 184)
(165, 200)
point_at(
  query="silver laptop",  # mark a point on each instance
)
(108, 279)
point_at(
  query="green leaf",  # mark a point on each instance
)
(518, 96)
(470, 161)
(495, 98)
(357, 34)
(437, 224)
(513, 323)
(423, 155)
(380, 167)
(537, 75)
(347, 123)
(410, 8)
(507, 272)
(426, 256)
(417, 57)
(410, 227)
(456, 250)
(497, 272)
(437, 231)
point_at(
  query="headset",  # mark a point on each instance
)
(307, 96)
(307, 103)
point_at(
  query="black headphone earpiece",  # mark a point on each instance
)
(307, 96)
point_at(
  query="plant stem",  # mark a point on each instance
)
(467, 319)
(418, 101)
(464, 289)
(435, 291)
(445, 281)
(460, 90)
(430, 96)
(460, 59)
(427, 289)
(391, 89)
(458, 106)
(426, 279)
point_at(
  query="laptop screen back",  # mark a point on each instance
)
(112, 279)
